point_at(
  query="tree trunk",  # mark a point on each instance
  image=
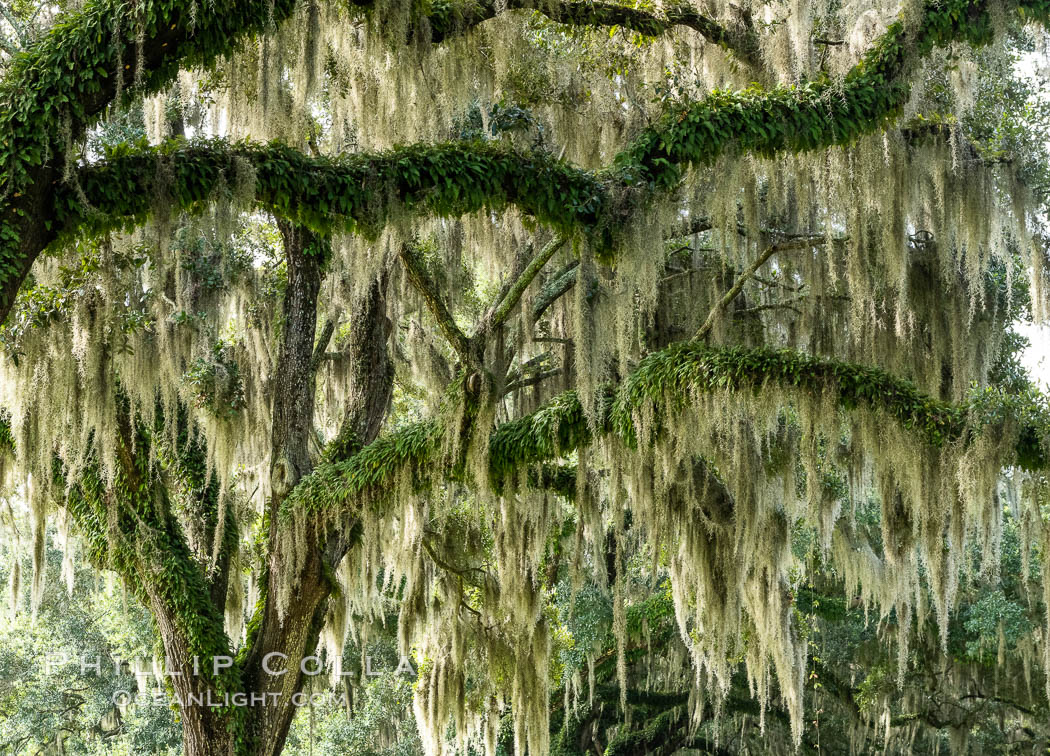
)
(206, 737)
(205, 726)
(248, 708)
(288, 635)
(205, 731)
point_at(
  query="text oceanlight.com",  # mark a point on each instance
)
(212, 700)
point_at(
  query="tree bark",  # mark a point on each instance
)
(288, 635)
(205, 726)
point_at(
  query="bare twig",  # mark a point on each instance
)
(776, 284)
(771, 306)
(562, 281)
(551, 340)
(789, 304)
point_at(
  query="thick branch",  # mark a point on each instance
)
(42, 95)
(14, 21)
(447, 19)
(558, 285)
(741, 41)
(532, 380)
(294, 629)
(213, 544)
(462, 177)
(61, 85)
(130, 528)
(8, 47)
(667, 379)
(291, 629)
(352, 192)
(320, 354)
(371, 373)
(818, 113)
(293, 397)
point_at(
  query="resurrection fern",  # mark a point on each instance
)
(634, 373)
(670, 379)
(456, 179)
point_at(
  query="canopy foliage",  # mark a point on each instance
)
(642, 377)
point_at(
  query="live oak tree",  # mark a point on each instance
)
(318, 313)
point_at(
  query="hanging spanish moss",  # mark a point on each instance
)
(654, 306)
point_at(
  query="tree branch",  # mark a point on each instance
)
(323, 340)
(666, 380)
(821, 114)
(741, 41)
(457, 178)
(9, 47)
(561, 282)
(532, 380)
(426, 287)
(16, 25)
(555, 289)
(446, 20)
(503, 310)
(371, 373)
(738, 286)
(63, 82)
(152, 556)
